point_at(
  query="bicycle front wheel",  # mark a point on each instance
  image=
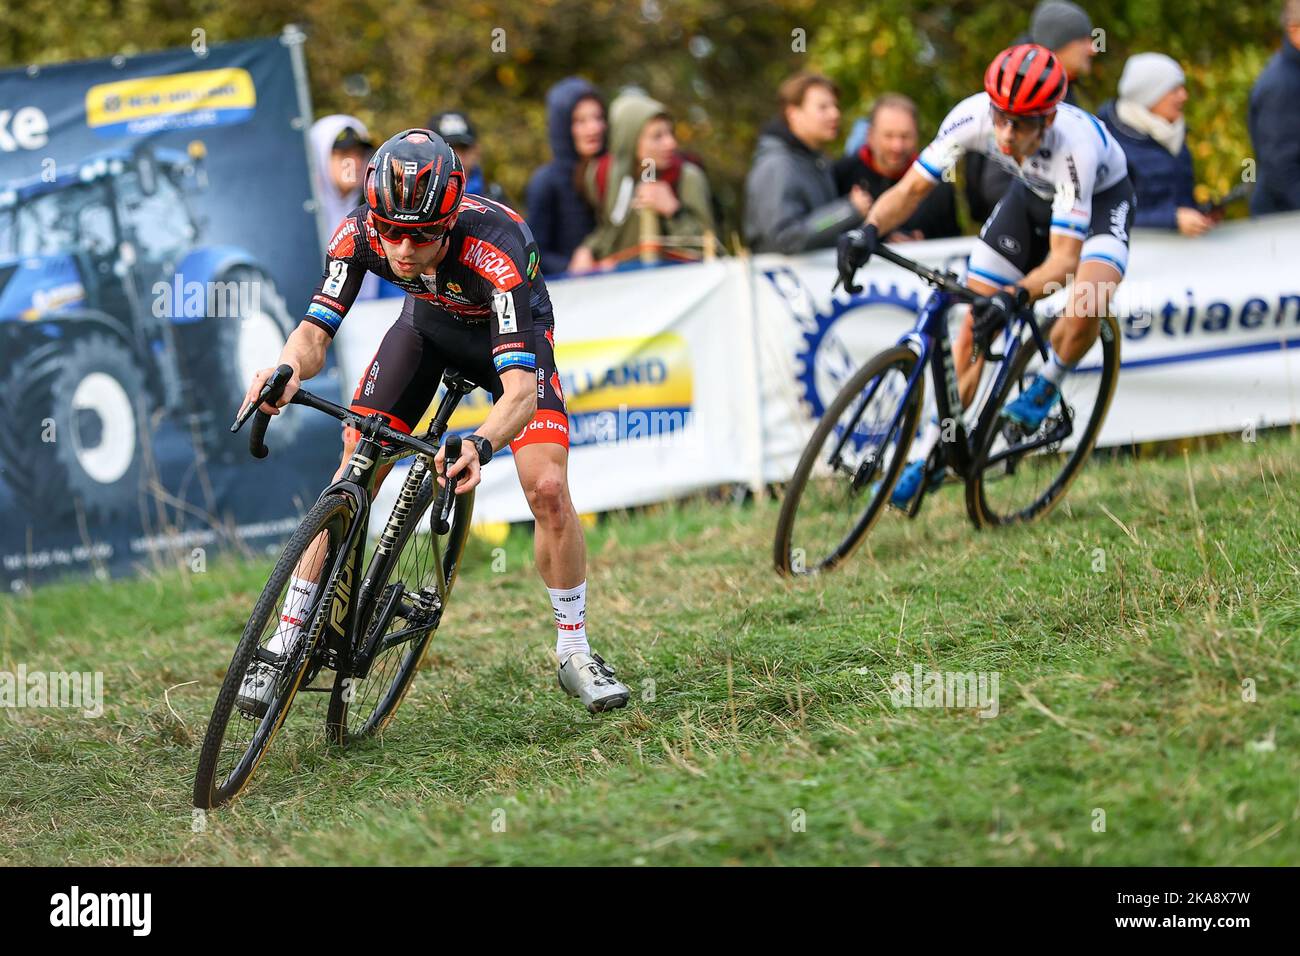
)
(236, 741)
(849, 466)
(1019, 476)
(361, 706)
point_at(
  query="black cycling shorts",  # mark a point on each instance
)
(1017, 236)
(402, 379)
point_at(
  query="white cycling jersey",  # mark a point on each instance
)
(1076, 159)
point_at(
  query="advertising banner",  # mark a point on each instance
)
(157, 244)
(650, 364)
(1211, 328)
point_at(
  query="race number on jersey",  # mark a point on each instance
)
(338, 275)
(503, 307)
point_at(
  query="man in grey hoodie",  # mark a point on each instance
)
(791, 203)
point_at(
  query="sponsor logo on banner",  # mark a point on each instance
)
(151, 104)
(831, 352)
(616, 390)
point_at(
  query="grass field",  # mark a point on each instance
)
(1148, 712)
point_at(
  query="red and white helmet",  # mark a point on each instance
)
(1026, 80)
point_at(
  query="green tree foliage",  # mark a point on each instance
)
(716, 63)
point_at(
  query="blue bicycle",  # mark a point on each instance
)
(847, 472)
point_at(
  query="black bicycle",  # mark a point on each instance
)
(371, 629)
(858, 449)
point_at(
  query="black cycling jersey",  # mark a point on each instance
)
(491, 272)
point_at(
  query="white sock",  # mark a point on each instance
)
(570, 606)
(925, 441)
(1055, 370)
(296, 604)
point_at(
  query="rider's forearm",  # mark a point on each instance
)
(509, 414)
(896, 204)
(305, 351)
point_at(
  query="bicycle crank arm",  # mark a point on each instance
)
(1061, 432)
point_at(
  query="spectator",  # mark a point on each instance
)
(791, 203)
(1275, 123)
(888, 153)
(341, 148)
(1147, 120)
(642, 170)
(1065, 29)
(557, 212)
(456, 129)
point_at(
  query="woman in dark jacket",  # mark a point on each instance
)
(556, 210)
(1147, 119)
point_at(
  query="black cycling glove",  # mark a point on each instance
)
(992, 313)
(852, 252)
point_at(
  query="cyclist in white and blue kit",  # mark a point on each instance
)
(1065, 216)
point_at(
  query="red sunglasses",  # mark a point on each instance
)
(418, 236)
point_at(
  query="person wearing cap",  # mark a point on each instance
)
(1274, 120)
(1147, 120)
(341, 147)
(1066, 29)
(456, 129)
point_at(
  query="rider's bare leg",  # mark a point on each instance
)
(1090, 298)
(559, 545)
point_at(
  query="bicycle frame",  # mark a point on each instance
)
(928, 339)
(347, 603)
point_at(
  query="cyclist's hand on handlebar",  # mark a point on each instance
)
(259, 383)
(992, 313)
(464, 469)
(852, 252)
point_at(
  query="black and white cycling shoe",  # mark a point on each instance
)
(257, 689)
(592, 681)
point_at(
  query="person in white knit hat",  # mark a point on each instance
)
(1147, 120)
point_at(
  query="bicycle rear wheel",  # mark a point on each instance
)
(1017, 476)
(849, 466)
(236, 742)
(363, 706)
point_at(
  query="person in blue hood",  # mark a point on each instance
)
(556, 211)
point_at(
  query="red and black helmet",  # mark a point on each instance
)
(414, 185)
(1026, 80)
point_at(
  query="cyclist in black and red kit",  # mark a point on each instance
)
(476, 301)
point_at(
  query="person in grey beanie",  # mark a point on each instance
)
(1147, 120)
(1066, 29)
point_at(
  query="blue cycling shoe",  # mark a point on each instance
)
(1029, 410)
(909, 483)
